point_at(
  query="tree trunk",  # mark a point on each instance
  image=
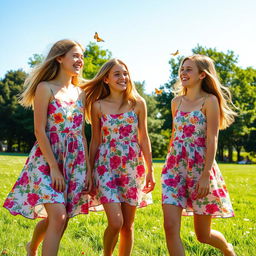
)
(230, 154)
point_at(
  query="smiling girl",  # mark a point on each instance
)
(56, 174)
(118, 148)
(192, 183)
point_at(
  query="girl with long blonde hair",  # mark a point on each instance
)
(118, 148)
(192, 183)
(56, 175)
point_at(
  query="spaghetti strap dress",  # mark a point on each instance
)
(33, 188)
(119, 171)
(184, 165)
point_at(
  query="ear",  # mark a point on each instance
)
(202, 75)
(105, 80)
(59, 59)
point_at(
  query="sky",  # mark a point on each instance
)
(142, 33)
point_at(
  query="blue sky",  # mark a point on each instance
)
(142, 33)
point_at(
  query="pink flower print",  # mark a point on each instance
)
(97, 155)
(32, 199)
(171, 182)
(164, 171)
(190, 182)
(80, 157)
(190, 163)
(211, 208)
(198, 158)
(124, 131)
(101, 169)
(194, 195)
(219, 192)
(72, 146)
(182, 155)
(115, 116)
(132, 193)
(24, 180)
(182, 192)
(112, 143)
(105, 200)
(189, 203)
(171, 162)
(8, 203)
(140, 170)
(111, 184)
(77, 121)
(77, 198)
(122, 181)
(143, 203)
(72, 186)
(188, 130)
(164, 197)
(84, 208)
(38, 152)
(115, 161)
(69, 207)
(51, 109)
(44, 169)
(200, 142)
(182, 113)
(54, 138)
(124, 160)
(131, 153)
(27, 160)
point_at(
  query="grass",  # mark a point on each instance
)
(84, 233)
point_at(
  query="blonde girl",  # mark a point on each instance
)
(192, 183)
(56, 174)
(118, 148)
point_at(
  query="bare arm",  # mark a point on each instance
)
(41, 101)
(145, 144)
(213, 119)
(96, 133)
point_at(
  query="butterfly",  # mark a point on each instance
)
(97, 38)
(175, 53)
(158, 92)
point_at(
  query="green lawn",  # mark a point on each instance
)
(84, 233)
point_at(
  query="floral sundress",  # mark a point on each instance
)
(119, 171)
(33, 188)
(184, 165)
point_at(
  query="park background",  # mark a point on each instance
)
(143, 34)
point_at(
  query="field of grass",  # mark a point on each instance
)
(84, 233)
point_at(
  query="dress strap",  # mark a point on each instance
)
(203, 103)
(100, 107)
(52, 92)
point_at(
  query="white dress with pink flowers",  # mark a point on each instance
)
(119, 172)
(33, 188)
(184, 165)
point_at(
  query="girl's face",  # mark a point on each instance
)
(118, 78)
(189, 74)
(73, 61)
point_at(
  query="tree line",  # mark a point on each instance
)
(16, 124)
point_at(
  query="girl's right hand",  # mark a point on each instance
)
(58, 182)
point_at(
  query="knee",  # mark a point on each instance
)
(171, 228)
(128, 228)
(59, 221)
(116, 224)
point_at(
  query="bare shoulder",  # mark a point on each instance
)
(96, 107)
(141, 104)
(175, 101)
(43, 89)
(211, 100)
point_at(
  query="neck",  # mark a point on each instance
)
(63, 79)
(194, 93)
(116, 96)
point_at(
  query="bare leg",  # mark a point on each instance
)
(57, 221)
(209, 236)
(127, 231)
(37, 237)
(115, 223)
(172, 223)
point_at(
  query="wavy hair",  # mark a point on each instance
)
(210, 84)
(97, 89)
(47, 71)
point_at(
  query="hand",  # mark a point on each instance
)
(150, 183)
(203, 186)
(88, 184)
(58, 182)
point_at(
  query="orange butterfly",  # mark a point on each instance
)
(97, 38)
(158, 92)
(175, 53)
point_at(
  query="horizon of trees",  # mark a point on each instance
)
(17, 123)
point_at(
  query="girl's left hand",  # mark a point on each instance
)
(88, 184)
(150, 183)
(203, 186)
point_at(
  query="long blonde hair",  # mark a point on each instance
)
(97, 89)
(47, 70)
(210, 84)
